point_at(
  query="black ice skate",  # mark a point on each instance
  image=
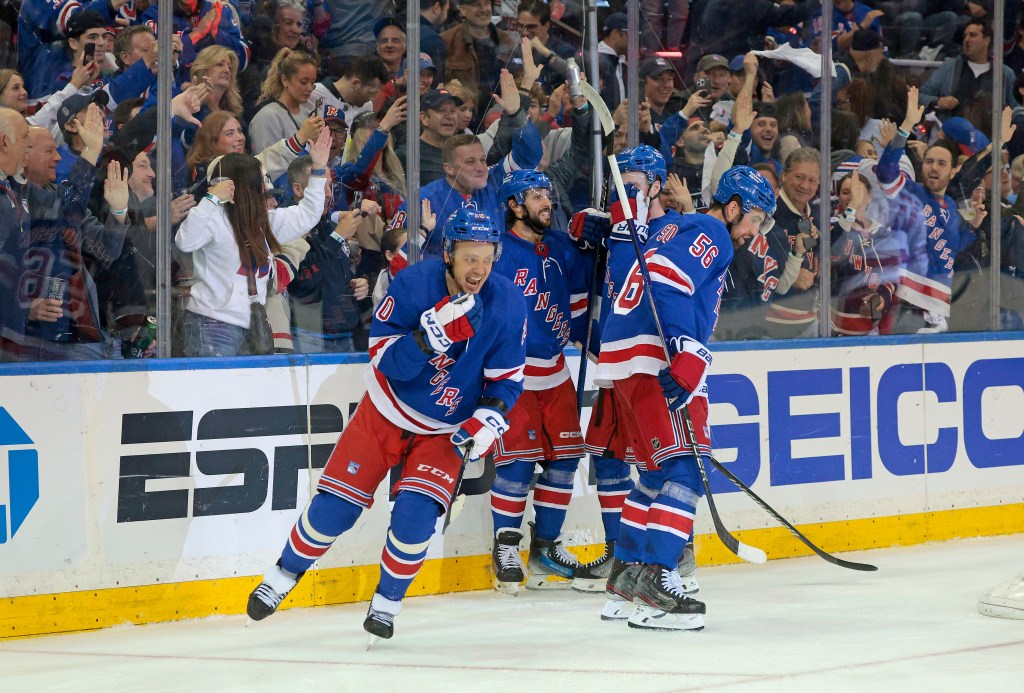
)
(269, 594)
(550, 565)
(380, 618)
(661, 604)
(592, 577)
(505, 561)
(618, 590)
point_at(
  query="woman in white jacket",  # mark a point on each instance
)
(230, 234)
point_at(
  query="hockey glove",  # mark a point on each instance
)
(638, 205)
(685, 375)
(479, 432)
(453, 319)
(589, 228)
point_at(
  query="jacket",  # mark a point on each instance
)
(463, 63)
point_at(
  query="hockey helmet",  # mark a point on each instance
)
(470, 224)
(643, 159)
(750, 186)
(517, 183)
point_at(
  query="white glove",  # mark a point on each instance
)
(479, 432)
(453, 319)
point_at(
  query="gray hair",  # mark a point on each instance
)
(802, 155)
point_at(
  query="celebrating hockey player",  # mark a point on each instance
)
(687, 269)
(544, 427)
(447, 357)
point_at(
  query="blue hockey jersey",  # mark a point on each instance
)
(553, 279)
(226, 32)
(687, 265)
(934, 234)
(435, 394)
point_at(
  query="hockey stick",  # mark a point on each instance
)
(593, 304)
(744, 551)
(458, 501)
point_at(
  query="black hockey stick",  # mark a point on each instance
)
(744, 551)
(852, 565)
(593, 305)
(458, 499)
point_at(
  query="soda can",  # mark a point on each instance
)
(55, 288)
(143, 340)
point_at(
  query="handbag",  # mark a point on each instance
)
(259, 338)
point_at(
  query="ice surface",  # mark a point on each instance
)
(791, 625)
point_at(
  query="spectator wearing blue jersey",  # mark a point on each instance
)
(847, 17)
(467, 179)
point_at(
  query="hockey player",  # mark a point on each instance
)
(544, 427)
(447, 357)
(687, 271)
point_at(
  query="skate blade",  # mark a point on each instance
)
(590, 585)
(373, 641)
(510, 588)
(616, 610)
(548, 582)
(1000, 608)
(650, 618)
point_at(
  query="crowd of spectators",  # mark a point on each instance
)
(289, 147)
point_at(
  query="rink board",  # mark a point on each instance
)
(157, 491)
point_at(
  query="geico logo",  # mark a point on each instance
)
(570, 434)
(434, 471)
(250, 466)
(869, 410)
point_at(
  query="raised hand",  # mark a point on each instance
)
(428, 220)
(92, 133)
(510, 99)
(858, 191)
(320, 152)
(915, 111)
(696, 101)
(397, 114)
(742, 113)
(531, 71)
(115, 188)
(188, 102)
(224, 190)
(886, 131)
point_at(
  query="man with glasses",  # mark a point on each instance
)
(549, 51)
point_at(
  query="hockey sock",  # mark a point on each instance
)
(412, 524)
(633, 523)
(613, 485)
(325, 518)
(551, 497)
(508, 494)
(670, 520)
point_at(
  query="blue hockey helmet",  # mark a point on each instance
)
(643, 159)
(470, 224)
(517, 183)
(750, 186)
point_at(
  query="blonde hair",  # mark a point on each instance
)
(5, 77)
(209, 58)
(285, 64)
(388, 167)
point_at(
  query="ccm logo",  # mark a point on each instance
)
(570, 434)
(434, 471)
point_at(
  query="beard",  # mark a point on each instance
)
(536, 224)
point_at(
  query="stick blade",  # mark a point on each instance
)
(751, 554)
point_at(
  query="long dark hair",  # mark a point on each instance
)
(248, 213)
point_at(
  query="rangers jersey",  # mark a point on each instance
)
(553, 279)
(435, 393)
(687, 266)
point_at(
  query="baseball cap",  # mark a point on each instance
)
(711, 61)
(652, 67)
(425, 63)
(968, 138)
(736, 64)
(82, 21)
(865, 40)
(616, 20)
(435, 98)
(333, 113)
(78, 102)
(765, 109)
(385, 22)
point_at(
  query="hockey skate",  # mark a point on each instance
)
(661, 604)
(380, 618)
(550, 566)
(505, 561)
(618, 591)
(269, 594)
(688, 571)
(1005, 600)
(592, 577)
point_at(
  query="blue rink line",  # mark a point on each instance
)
(302, 360)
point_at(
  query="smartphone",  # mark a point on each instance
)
(810, 242)
(318, 106)
(89, 53)
(702, 84)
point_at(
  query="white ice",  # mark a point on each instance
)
(791, 625)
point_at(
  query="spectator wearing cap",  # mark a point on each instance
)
(353, 93)
(476, 49)
(391, 43)
(438, 122)
(959, 81)
(729, 29)
(46, 29)
(969, 138)
(866, 60)
(549, 51)
(611, 59)
(396, 86)
(717, 69)
(659, 84)
(72, 112)
(334, 119)
(433, 14)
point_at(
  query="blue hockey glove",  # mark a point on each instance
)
(453, 319)
(685, 375)
(590, 227)
(479, 432)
